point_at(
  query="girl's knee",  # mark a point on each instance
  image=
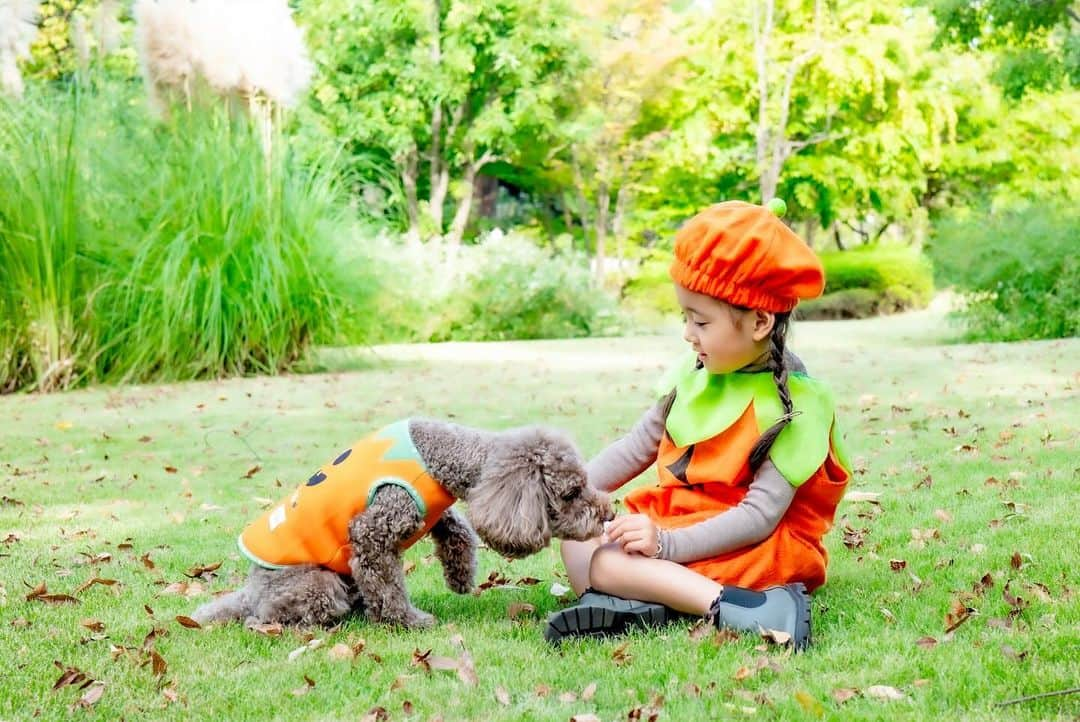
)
(605, 566)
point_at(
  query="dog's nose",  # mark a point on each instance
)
(609, 514)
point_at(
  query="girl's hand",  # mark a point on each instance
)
(636, 533)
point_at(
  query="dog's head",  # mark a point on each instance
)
(534, 487)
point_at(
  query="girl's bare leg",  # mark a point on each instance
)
(577, 556)
(632, 576)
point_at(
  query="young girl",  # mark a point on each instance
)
(745, 445)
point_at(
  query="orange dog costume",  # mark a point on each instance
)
(311, 525)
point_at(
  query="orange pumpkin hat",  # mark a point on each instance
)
(745, 255)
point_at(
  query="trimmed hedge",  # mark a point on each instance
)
(872, 280)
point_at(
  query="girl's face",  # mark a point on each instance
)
(725, 338)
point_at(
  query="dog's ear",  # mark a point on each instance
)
(508, 506)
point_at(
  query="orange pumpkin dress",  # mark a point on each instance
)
(704, 471)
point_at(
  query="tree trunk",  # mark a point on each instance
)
(408, 165)
(603, 206)
(487, 188)
(464, 204)
(618, 223)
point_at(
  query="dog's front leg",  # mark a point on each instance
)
(376, 535)
(455, 548)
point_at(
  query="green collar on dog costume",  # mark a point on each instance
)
(707, 404)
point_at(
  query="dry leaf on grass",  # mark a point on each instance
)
(40, 594)
(341, 651)
(90, 697)
(308, 684)
(809, 703)
(502, 696)
(589, 692)
(376, 714)
(198, 570)
(843, 694)
(312, 644)
(587, 717)
(517, 609)
(187, 622)
(884, 692)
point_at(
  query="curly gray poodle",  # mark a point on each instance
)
(335, 543)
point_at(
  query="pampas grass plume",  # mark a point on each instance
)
(249, 49)
(17, 31)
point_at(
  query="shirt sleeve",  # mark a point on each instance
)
(624, 459)
(751, 520)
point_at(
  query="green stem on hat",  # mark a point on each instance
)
(777, 206)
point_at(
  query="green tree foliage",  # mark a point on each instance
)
(1038, 42)
(439, 89)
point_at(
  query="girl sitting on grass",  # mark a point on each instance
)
(745, 445)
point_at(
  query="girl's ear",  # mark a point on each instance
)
(764, 321)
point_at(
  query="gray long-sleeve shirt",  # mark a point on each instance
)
(750, 521)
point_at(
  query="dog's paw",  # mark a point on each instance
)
(417, 619)
(459, 585)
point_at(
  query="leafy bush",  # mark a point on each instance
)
(1018, 268)
(503, 288)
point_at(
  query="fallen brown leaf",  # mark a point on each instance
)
(518, 609)
(197, 571)
(568, 697)
(926, 642)
(776, 636)
(341, 651)
(308, 684)
(376, 714)
(187, 622)
(620, 655)
(158, 664)
(809, 703)
(91, 582)
(1016, 561)
(897, 564)
(69, 675)
(502, 696)
(253, 471)
(586, 717)
(270, 630)
(90, 697)
(884, 692)
(843, 694)
(94, 625)
(589, 692)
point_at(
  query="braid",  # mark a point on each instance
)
(779, 370)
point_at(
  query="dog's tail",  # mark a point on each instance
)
(227, 607)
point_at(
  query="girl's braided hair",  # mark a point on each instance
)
(778, 365)
(779, 369)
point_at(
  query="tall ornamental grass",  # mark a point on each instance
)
(43, 235)
(134, 250)
(234, 271)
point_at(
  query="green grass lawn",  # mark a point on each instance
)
(971, 450)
